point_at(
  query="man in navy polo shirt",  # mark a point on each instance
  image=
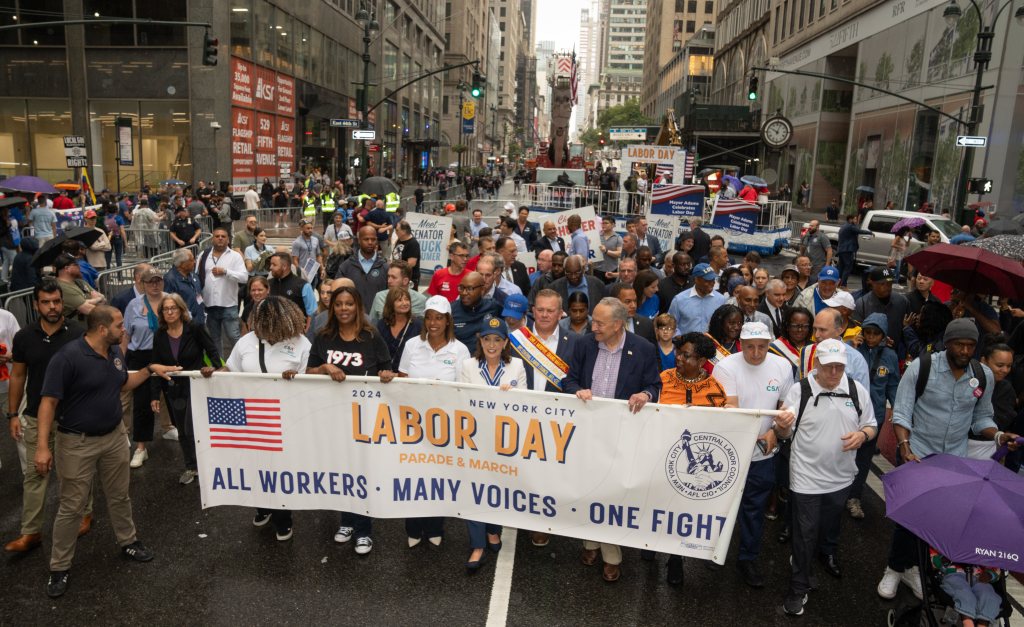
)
(86, 378)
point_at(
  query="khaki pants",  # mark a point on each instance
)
(610, 553)
(34, 484)
(79, 459)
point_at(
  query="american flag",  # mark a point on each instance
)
(688, 169)
(664, 170)
(246, 423)
(574, 79)
(734, 205)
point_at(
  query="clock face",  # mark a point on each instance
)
(777, 132)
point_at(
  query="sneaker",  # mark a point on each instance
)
(171, 434)
(435, 540)
(414, 541)
(139, 458)
(856, 511)
(794, 604)
(911, 577)
(261, 519)
(187, 477)
(343, 535)
(751, 573)
(364, 544)
(57, 584)
(137, 551)
(889, 584)
(283, 535)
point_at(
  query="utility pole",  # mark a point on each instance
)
(370, 26)
(461, 87)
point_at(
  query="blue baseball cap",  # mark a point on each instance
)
(704, 271)
(829, 273)
(493, 326)
(515, 307)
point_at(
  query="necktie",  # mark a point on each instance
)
(778, 319)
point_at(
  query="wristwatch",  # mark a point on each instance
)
(13, 414)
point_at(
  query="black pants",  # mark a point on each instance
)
(864, 457)
(178, 395)
(143, 419)
(362, 525)
(280, 518)
(431, 527)
(814, 524)
(846, 264)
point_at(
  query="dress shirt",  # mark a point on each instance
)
(693, 311)
(222, 291)
(606, 368)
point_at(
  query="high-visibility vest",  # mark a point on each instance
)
(327, 202)
(391, 202)
(309, 206)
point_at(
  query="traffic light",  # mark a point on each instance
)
(979, 186)
(752, 88)
(209, 50)
(477, 88)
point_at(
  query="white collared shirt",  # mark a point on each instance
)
(222, 291)
(551, 342)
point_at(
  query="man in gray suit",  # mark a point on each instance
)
(460, 221)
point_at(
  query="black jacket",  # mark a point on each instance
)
(195, 344)
(521, 276)
(644, 327)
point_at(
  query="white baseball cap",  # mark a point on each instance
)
(841, 299)
(439, 304)
(756, 331)
(830, 352)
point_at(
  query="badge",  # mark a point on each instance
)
(374, 272)
(973, 382)
(978, 392)
(882, 371)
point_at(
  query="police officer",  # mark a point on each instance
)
(327, 206)
(33, 347)
(86, 377)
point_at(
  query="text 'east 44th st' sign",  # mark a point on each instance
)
(969, 141)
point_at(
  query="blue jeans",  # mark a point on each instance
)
(221, 321)
(760, 482)
(979, 601)
(116, 251)
(478, 533)
(8, 261)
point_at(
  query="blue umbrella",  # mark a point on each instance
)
(754, 181)
(29, 185)
(865, 189)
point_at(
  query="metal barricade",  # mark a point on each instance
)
(20, 305)
(145, 243)
(114, 280)
(275, 221)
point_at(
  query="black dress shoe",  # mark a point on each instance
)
(57, 584)
(675, 571)
(831, 565)
(751, 573)
(647, 555)
(474, 566)
(784, 535)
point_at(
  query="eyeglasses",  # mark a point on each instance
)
(463, 255)
(469, 288)
(169, 309)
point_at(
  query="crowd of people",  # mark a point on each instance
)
(688, 326)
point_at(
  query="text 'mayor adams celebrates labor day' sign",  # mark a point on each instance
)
(667, 478)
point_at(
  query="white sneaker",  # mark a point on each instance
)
(414, 541)
(364, 544)
(343, 535)
(139, 458)
(889, 584)
(435, 540)
(911, 577)
(171, 434)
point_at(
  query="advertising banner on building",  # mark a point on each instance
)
(265, 97)
(285, 97)
(266, 149)
(433, 233)
(684, 201)
(735, 214)
(667, 478)
(285, 144)
(591, 227)
(242, 76)
(243, 149)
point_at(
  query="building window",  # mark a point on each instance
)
(691, 26)
(792, 18)
(775, 33)
(785, 16)
(691, 6)
(802, 3)
(502, 12)
(810, 12)
(132, 35)
(709, 6)
(241, 28)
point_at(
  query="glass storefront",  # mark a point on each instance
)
(160, 132)
(32, 137)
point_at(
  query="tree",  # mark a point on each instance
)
(591, 138)
(625, 114)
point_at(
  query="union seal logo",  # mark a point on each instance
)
(702, 465)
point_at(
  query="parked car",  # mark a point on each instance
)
(874, 248)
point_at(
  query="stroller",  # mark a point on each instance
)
(937, 607)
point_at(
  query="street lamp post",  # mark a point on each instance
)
(462, 147)
(370, 26)
(982, 56)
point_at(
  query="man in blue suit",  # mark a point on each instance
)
(611, 362)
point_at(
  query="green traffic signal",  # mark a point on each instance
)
(752, 89)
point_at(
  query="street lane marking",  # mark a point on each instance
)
(501, 589)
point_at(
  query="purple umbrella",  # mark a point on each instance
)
(970, 510)
(911, 223)
(28, 184)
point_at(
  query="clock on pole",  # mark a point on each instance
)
(776, 132)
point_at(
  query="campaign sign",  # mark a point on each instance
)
(685, 201)
(735, 214)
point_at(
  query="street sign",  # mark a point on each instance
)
(344, 123)
(638, 133)
(969, 141)
(373, 147)
(364, 135)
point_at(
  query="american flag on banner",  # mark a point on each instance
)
(688, 168)
(663, 170)
(245, 423)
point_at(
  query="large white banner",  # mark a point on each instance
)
(591, 227)
(433, 233)
(664, 228)
(667, 478)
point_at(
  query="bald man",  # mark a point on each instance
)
(366, 268)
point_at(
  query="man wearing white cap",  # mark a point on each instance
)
(828, 325)
(756, 379)
(844, 303)
(835, 417)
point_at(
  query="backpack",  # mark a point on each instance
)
(236, 211)
(805, 397)
(111, 226)
(926, 367)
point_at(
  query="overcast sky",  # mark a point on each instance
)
(559, 20)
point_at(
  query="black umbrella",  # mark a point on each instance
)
(1011, 246)
(999, 226)
(12, 201)
(379, 186)
(49, 251)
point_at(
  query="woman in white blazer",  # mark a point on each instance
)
(492, 364)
